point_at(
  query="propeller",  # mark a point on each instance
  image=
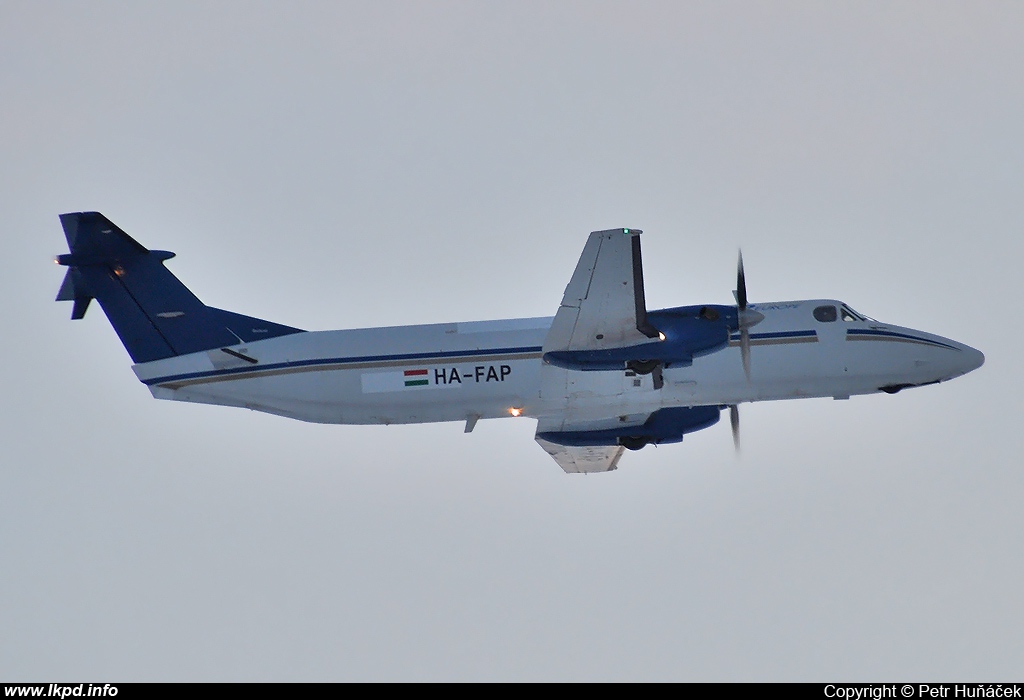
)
(741, 306)
(745, 317)
(734, 420)
(741, 285)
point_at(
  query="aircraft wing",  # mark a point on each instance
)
(583, 460)
(603, 306)
(575, 442)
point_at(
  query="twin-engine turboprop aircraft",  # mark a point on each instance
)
(604, 375)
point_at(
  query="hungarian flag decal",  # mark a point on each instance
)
(416, 377)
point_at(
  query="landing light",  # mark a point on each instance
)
(661, 336)
(515, 412)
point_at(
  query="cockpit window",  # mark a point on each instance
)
(825, 314)
(849, 315)
(857, 315)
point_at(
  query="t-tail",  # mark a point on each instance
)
(153, 313)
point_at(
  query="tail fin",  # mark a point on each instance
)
(153, 313)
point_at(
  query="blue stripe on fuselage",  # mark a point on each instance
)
(776, 335)
(881, 334)
(424, 356)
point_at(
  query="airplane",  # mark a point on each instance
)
(604, 375)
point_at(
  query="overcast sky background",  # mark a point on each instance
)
(337, 165)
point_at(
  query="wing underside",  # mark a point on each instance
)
(584, 445)
(583, 460)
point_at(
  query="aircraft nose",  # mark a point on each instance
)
(950, 359)
(971, 359)
(961, 359)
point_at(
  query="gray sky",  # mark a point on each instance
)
(334, 165)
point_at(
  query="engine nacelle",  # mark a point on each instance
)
(666, 425)
(690, 331)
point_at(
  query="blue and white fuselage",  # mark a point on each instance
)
(492, 369)
(602, 375)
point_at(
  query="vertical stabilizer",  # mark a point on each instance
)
(153, 313)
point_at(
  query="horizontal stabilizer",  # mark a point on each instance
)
(68, 292)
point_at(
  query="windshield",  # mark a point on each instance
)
(849, 314)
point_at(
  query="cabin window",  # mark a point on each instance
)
(825, 314)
